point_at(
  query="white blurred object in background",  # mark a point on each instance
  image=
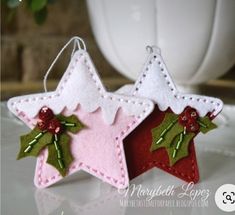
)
(197, 37)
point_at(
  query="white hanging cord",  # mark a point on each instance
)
(151, 49)
(76, 45)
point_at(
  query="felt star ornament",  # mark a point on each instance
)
(165, 138)
(79, 126)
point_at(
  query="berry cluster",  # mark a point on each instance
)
(188, 119)
(48, 121)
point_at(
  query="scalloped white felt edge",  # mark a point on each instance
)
(87, 90)
(81, 85)
(155, 83)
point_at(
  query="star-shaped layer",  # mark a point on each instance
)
(155, 83)
(108, 117)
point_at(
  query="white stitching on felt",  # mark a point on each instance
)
(57, 94)
(109, 178)
(174, 92)
(166, 77)
(177, 96)
(89, 168)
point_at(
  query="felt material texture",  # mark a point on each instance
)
(171, 138)
(46, 139)
(71, 119)
(169, 135)
(97, 149)
(80, 84)
(208, 123)
(182, 151)
(140, 159)
(155, 83)
(108, 119)
(67, 158)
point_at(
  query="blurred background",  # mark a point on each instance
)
(116, 33)
(28, 48)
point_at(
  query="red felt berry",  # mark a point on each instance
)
(192, 126)
(42, 125)
(187, 115)
(191, 113)
(54, 126)
(45, 114)
(183, 119)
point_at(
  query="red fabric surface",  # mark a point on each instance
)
(140, 159)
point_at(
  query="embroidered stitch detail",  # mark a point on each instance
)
(171, 86)
(57, 94)
(50, 132)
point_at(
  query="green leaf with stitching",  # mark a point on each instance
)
(206, 124)
(67, 158)
(71, 119)
(183, 150)
(169, 136)
(46, 139)
(41, 143)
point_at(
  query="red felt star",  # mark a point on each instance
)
(140, 159)
(155, 83)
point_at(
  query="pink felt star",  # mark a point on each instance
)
(108, 117)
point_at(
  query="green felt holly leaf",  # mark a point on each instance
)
(171, 135)
(171, 127)
(67, 158)
(59, 155)
(183, 150)
(71, 119)
(43, 141)
(206, 124)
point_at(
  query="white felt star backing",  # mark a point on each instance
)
(155, 83)
(108, 117)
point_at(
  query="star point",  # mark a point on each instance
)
(155, 83)
(108, 119)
